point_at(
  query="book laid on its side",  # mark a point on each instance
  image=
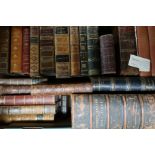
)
(93, 50)
(62, 52)
(75, 51)
(143, 45)
(83, 50)
(4, 49)
(107, 52)
(151, 32)
(115, 111)
(26, 51)
(26, 117)
(127, 46)
(27, 100)
(34, 51)
(22, 81)
(16, 50)
(47, 52)
(33, 109)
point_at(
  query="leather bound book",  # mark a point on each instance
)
(127, 45)
(16, 50)
(22, 81)
(151, 32)
(27, 100)
(143, 45)
(93, 50)
(115, 111)
(107, 52)
(123, 84)
(20, 110)
(83, 50)
(26, 117)
(26, 51)
(4, 49)
(75, 51)
(54, 89)
(62, 52)
(47, 52)
(34, 51)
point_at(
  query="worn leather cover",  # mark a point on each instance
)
(107, 53)
(21, 81)
(4, 49)
(26, 117)
(115, 111)
(26, 51)
(93, 50)
(34, 51)
(16, 50)
(125, 84)
(127, 46)
(62, 52)
(47, 51)
(35, 109)
(75, 51)
(151, 32)
(143, 45)
(27, 100)
(83, 50)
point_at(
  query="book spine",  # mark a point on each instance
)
(111, 84)
(64, 103)
(22, 81)
(47, 51)
(107, 52)
(151, 32)
(62, 52)
(55, 89)
(75, 51)
(127, 45)
(34, 51)
(83, 50)
(16, 50)
(143, 45)
(27, 100)
(26, 51)
(115, 111)
(4, 49)
(19, 110)
(27, 117)
(93, 50)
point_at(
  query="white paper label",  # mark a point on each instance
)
(142, 63)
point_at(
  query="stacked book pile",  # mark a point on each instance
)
(114, 69)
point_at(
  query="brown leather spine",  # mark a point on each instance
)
(34, 51)
(16, 50)
(55, 89)
(26, 117)
(27, 100)
(151, 31)
(143, 45)
(75, 51)
(19, 110)
(26, 50)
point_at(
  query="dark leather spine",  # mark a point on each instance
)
(93, 50)
(62, 52)
(107, 52)
(47, 51)
(83, 50)
(26, 51)
(27, 100)
(34, 51)
(127, 45)
(135, 84)
(4, 49)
